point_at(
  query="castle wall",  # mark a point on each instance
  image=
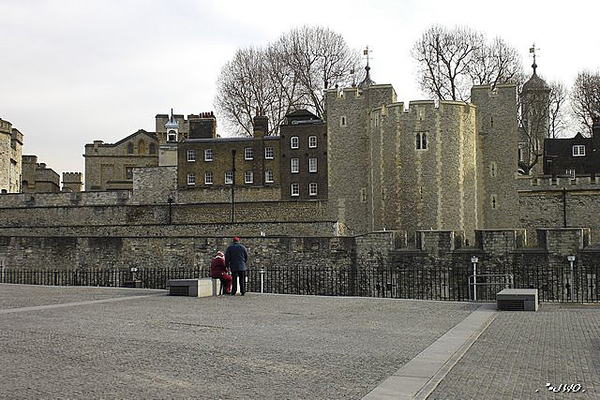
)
(545, 203)
(498, 163)
(349, 153)
(371, 263)
(433, 187)
(11, 144)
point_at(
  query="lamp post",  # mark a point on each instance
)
(571, 260)
(233, 186)
(474, 260)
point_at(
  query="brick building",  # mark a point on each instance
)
(574, 156)
(293, 164)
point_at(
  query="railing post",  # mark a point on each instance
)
(262, 281)
(474, 260)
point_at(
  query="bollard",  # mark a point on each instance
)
(262, 280)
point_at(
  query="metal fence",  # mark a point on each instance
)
(440, 283)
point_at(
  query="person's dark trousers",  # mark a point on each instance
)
(242, 275)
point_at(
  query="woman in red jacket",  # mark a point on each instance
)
(219, 270)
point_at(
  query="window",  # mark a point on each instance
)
(248, 177)
(208, 178)
(312, 142)
(248, 153)
(228, 178)
(494, 202)
(141, 147)
(579, 150)
(152, 148)
(312, 189)
(295, 165)
(363, 195)
(128, 172)
(493, 169)
(268, 153)
(342, 121)
(172, 136)
(191, 155)
(294, 142)
(191, 179)
(130, 148)
(570, 172)
(295, 189)
(521, 158)
(208, 155)
(312, 164)
(269, 176)
(421, 141)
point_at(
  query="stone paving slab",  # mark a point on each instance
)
(521, 352)
(255, 346)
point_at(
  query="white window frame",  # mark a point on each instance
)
(294, 165)
(191, 155)
(191, 179)
(294, 142)
(229, 178)
(172, 136)
(208, 155)
(248, 153)
(208, 178)
(312, 188)
(269, 176)
(296, 192)
(269, 153)
(421, 141)
(312, 142)
(578, 150)
(570, 172)
(312, 164)
(248, 177)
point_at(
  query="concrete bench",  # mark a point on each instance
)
(517, 300)
(190, 287)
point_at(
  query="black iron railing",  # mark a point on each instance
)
(439, 283)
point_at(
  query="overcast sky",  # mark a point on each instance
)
(76, 71)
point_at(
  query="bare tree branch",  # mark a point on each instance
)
(585, 99)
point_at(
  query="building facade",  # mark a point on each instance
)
(574, 156)
(38, 178)
(11, 147)
(110, 166)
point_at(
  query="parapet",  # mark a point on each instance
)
(548, 182)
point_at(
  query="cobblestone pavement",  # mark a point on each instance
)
(256, 346)
(17, 296)
(521, 352)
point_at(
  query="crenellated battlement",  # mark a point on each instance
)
(548, 182)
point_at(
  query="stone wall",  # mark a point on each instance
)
(374, 264)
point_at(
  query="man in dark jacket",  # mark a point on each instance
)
(236, 257)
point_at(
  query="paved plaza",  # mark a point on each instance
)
(75, 342)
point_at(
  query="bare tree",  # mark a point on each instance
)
(286, 75)
(451, 61)
(320, 59)
(585, 99)
(557, 116)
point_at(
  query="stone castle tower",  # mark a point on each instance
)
(11, 147)
(446, 166)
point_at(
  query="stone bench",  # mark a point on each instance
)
(190, 287)
(517, 300)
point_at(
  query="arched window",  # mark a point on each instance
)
(152, 148)
(424, 141)
(418, 141)
(129, 148)
(141, 147)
